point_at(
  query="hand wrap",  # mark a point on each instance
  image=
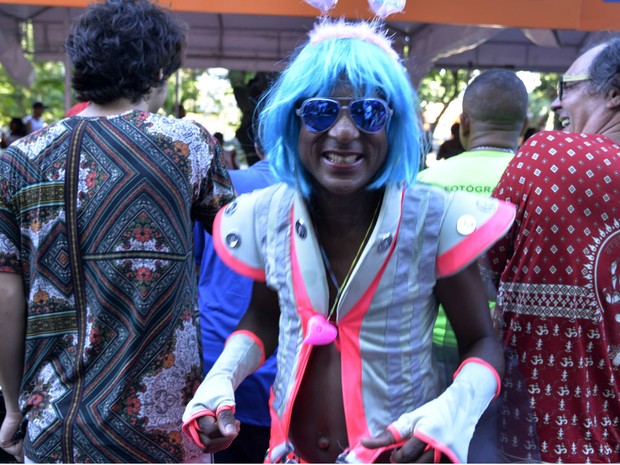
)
(242, 355)
(447, 423)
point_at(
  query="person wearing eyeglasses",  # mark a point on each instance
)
(557, 271)
(350, 258)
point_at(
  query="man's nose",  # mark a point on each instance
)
(344, 128)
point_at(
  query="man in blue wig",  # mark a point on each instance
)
(350, 258)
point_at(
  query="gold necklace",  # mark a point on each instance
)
(340, 288)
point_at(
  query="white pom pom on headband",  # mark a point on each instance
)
(382, 8)
(341, 29)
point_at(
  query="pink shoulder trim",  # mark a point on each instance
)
(472, 246)
(235, 264)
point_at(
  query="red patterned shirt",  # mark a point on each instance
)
(559, 289)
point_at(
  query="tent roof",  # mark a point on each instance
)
(537, 35)
(585, 15)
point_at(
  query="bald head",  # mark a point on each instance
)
(496, 98)
(494, 110)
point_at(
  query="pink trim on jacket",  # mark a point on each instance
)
(349, 330)
(257, 340)
(257, 274)
(357, 426)
(473, 245)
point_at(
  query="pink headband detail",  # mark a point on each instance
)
(368, 32)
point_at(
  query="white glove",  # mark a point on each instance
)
(242, 355)
(447, 423)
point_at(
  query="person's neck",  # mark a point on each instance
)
(113, 108)
(614, 135)
(335, 212)
(611, 128)
(498, 142)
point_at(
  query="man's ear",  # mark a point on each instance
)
(613, 98)
(526, 124)
(465, 126)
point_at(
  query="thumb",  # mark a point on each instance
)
(228, 424)
(382, 440)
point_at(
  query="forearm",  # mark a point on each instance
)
(12, 337)
(262, 317)
(488, 349)
(465, 302)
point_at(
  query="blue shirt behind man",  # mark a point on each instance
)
(223, 296)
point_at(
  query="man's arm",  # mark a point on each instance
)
(209, 417)
(12, 338)
(464, 298)
(445, 425)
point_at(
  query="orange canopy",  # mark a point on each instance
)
(583, 15)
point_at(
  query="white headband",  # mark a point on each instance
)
(363, 30)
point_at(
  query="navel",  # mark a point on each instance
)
(323, 442)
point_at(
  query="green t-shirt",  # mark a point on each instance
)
(477, 172)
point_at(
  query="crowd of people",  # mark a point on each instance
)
(20, 127)
(333, 303)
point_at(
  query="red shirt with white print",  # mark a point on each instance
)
(559, 290)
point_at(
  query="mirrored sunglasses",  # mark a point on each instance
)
(564, 80)
(369, 114)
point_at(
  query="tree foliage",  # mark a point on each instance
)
(439, 86)
(187, 94)
(48, 87)
(248, 89)
(442, 86)
(541, 97)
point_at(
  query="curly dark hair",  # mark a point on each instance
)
(118, 47)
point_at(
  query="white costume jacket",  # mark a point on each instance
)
(386, 313)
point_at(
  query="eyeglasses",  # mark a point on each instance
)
(369, 114)
(567, 80)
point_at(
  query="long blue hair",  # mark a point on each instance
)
(316, 70)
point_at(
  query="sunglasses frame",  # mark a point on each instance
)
(299, 112)
(561, 90)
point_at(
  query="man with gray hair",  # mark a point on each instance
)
(557, 269)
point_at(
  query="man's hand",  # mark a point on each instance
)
(217, 434)
(412, 451)
(11, 437)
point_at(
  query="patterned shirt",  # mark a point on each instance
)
(107, 380)
(559, 290)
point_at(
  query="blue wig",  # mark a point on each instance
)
(353, 53)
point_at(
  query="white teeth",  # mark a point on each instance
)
(565, 122)
(340, 159)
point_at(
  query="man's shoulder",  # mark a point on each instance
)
(468, 166)
(561, 137)
(256, 176)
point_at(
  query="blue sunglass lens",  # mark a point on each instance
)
(319, 115)
(369, 115)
